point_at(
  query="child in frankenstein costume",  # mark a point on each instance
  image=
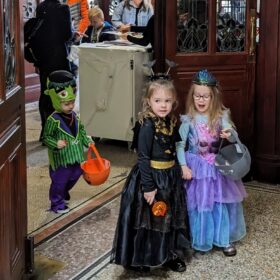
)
(65, 137)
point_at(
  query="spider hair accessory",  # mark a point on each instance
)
(160, 76)
(205, 78)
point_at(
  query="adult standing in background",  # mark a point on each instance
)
(79, 13)
(52, 40)
(132, 12)
(148, 33)
(80, 22)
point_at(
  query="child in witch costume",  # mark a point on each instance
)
(65, 137)
(144, 239)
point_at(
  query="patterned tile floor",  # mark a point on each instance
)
(84, 247)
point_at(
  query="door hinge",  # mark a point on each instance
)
(29, 254)
(131, 64)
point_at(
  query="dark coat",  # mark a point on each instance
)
(54, 35)
(52, 43)
(148, 34)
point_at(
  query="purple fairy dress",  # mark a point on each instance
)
(214, 202)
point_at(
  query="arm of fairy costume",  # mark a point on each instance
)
(50, 129)
(227, 124)
(180, 145)
(117, 15)
(86, 139)
(84, 22)
(145, 144)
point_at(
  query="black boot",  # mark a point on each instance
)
(176, 265)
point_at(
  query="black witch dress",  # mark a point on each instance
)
(142, 239)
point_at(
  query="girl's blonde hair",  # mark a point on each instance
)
(152, 87)
(146, 4)
(216, 107)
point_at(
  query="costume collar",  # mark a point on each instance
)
(63, 126)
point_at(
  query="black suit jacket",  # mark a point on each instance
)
(54, 35)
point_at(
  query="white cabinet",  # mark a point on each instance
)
(111, 84)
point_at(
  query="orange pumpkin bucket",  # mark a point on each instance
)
(95, 170)
(159, 209)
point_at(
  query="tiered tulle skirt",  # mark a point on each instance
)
(214, 204)
(142, 239)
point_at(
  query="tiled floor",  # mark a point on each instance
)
(82, 250)
(84, 247)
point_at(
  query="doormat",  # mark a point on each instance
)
(45, 268)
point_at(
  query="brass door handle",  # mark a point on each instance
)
(252, 47)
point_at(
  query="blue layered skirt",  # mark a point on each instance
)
(214, 204)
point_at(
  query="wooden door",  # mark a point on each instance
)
(267, 148)
(219, 36)
(13, 214)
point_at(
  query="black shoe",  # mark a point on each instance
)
(176, 265)
(67, 198)
(229, 251)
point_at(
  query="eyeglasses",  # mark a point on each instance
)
(204, 97)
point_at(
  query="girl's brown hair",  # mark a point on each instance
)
(151, 88)
(216, 107)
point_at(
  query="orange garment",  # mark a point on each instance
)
(82, 5)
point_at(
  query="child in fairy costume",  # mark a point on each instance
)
(65, 137)
(142, 239)
(214, 201)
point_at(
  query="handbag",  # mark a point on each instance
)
(31, 29)
(233, 160)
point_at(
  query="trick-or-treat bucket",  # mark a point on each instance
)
(95, 170)
(159, 208)
(234, 160)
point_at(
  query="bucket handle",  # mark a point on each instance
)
(93, 148)
(235, 135)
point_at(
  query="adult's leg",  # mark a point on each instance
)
(45, 104)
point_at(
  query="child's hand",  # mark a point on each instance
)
(90, 143)
(187, 172)
(61, 144)
(150, 196)
(225, 133)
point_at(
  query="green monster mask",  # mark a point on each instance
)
(61, 87)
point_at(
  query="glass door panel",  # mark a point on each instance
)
(230, 25)
(192, 26)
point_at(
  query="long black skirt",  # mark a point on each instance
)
(142, 239)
